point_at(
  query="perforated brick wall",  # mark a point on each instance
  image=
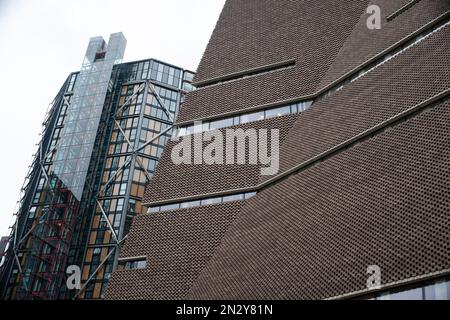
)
(410, 78)
(177, 245)
(384, 202)
(364, 43)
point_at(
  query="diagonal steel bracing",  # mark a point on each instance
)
(134, 155)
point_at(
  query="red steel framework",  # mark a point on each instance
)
(50, 244)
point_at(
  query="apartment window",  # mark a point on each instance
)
(47, 249)
(145, 70)
(120, 205)
(72, 82)
(166, 74)
(36, 198)
(151, 165)
(188, 76)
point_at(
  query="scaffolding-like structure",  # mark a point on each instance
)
(39, 250)
(51, 243)
(48, 240)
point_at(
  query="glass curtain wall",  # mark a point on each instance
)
(135, 146)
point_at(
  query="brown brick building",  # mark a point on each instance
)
(364, 179)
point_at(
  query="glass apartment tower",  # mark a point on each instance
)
(101, 141)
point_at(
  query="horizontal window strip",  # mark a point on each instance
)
(243, 118)
(202, 202)
(223, 122)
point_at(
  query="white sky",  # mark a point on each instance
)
(42, 41)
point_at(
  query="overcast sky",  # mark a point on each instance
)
(42, 41)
